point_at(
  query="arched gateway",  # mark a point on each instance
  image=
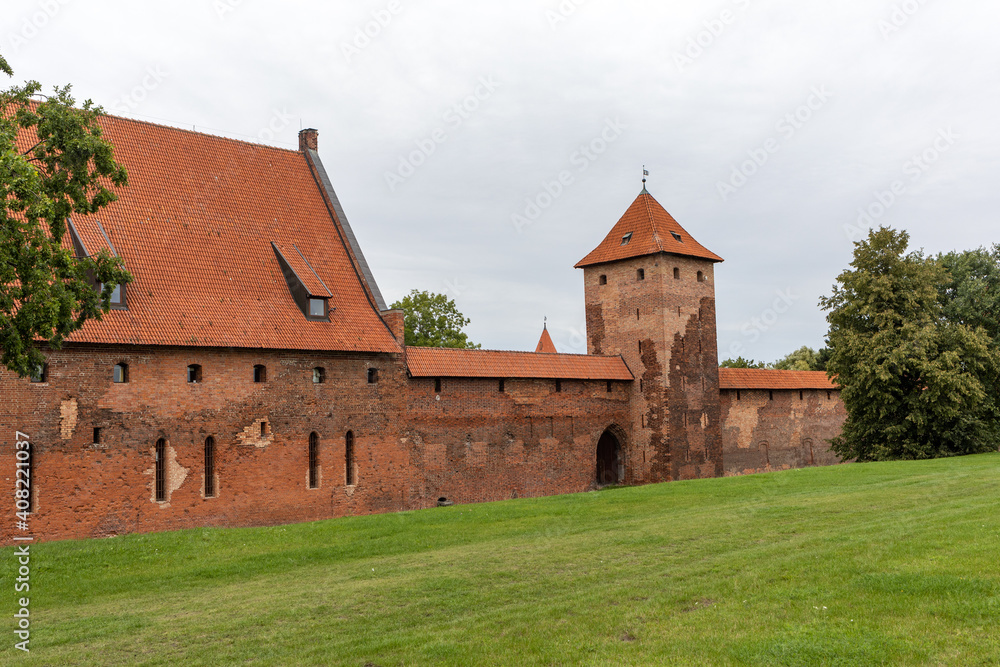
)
(609, 459)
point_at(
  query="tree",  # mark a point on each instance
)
(972, 295)
(915, 384)
(53, 163)
(433, 320)
(740, 362)
(803, 359)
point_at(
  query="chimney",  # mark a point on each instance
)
(395, 319)
(309, 138)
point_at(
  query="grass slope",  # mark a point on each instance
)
(892, 563)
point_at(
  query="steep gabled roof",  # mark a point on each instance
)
(545, 343)
(760, 378)
(650, 230)
(447, 362)
(195, 227)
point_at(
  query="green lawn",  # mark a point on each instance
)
(892, 563)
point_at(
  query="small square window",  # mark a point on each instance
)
(319, 375)
(603, 280)
(41, 373)
(317, 307)
(626, 238)
(120, 375)
(372, 375)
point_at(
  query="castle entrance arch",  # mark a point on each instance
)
(609, 459)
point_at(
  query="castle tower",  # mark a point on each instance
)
(650, 297)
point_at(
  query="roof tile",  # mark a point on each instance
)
(448, 362)
(760, 378)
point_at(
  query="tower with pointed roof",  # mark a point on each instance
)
(650, 297)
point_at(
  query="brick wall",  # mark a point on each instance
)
(83, 489)
(765, 430)
(475, 443)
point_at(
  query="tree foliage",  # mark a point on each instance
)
(972, 294)
(915, 384)
(433, 320)
(740, 362)
(66, 168)
(803, 359)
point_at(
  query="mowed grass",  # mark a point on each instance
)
(892, 563)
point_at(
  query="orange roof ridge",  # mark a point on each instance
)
(770, 378)
(653, 230)
(545, 343)
(198, 133)
(457, 362)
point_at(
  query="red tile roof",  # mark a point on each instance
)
(545, 343)
(195, 226)
(759, 378)
(447, 362)
(652, 230)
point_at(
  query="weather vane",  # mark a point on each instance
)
(645, 173)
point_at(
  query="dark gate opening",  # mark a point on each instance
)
(609, 455)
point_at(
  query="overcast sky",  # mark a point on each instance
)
(766, 127)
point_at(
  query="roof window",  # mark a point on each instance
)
(677, 237)
(317, 307)
(626, 238)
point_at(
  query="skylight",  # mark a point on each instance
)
(626, 238)
(677, 237)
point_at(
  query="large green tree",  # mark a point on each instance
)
(54, 163)
(972, 293)
(433, 320)
(915, 384)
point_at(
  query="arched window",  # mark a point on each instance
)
(260, 373)
(349, 458)
(120, 373)
(677, 273)
(319, 375)
(313, 461)
(161, 470)
(194, 373)
(640, 274)
(701, 277)
(209, 467)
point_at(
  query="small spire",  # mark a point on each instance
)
(545, 323)
(645, 173)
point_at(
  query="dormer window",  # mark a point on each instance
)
(317, 308)
(307, 289)
(677, 237)
(117, 296)
(626, 238)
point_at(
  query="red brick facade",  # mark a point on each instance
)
(340, 418)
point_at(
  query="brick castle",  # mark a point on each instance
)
(253, 375)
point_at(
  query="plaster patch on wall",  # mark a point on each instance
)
(744, 418)
(251, 435)
(67, 418)
(176, 474)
